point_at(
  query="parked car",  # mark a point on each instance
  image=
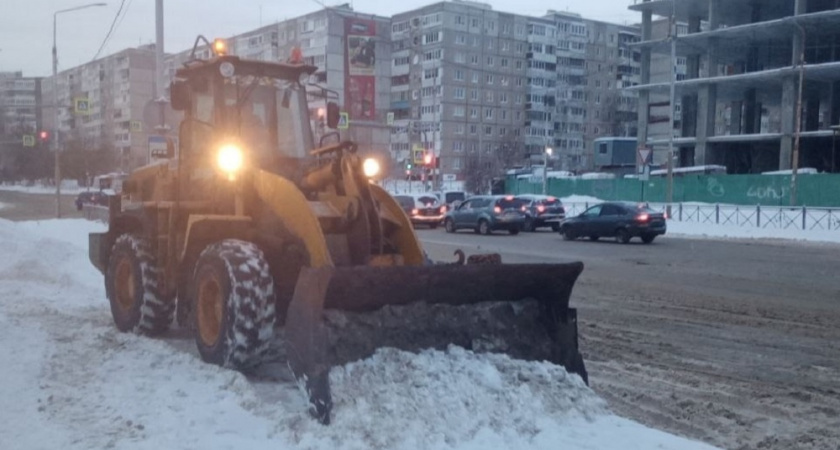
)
(91, 198)
(486, 213)
(450, 199)
(621, 220)
(542, 211)
(422, 209)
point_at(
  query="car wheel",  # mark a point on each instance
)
(449, 225)
(648, 238)
(568, 234)
(514, 231)
(529, 225)
(622, 235)
(484, 227)
(593, 238)
(555, 227)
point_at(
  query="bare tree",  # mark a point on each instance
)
(480, 170)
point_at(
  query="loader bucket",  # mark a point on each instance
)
(342, 314)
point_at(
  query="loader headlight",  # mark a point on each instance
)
(371, 167)
(230, 159)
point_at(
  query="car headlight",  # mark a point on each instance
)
(370, 167)
(230, 159)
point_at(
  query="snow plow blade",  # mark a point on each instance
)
(342, 314)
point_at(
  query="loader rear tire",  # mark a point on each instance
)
(233, 304)
(131, 284)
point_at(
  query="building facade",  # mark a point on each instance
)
(352, 52)
(458, 85)
(739, 95)
(20, 120)
(103, 104)
(20, 105)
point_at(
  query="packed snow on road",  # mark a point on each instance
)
(71, 381)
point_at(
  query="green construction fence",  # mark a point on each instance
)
(818, 190)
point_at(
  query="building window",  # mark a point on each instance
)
(431, 38)
(459, 75)
(460, 93)
(458, 111)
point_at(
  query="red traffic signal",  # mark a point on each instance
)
(428, 159)
(44, 135)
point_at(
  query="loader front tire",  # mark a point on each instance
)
(234, 304)
(131, 284)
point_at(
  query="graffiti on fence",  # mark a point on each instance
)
(714, 188)
(767, 192)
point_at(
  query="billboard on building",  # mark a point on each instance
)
(360, 72)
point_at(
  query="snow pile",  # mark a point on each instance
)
(581, 199)
(72, 381)
(713, 231)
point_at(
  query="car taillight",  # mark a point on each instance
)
(541, 208)
(643, 217)
(665, 215)
(443, 209)
(497, 210)
(415, 212)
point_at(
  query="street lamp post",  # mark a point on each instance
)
(546, 155)
(56, 147)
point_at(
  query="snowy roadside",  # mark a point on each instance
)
(65, 190)
(77, 383)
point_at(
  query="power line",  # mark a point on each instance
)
(110, 30)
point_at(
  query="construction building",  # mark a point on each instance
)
(739, 95)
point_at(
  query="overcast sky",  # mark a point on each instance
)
(26, 25)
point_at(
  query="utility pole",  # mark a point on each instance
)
(795, 163)
(56, 133)
(673, 37)
(161, 128)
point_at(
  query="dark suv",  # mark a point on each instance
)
(541, 211)
(621, 220)
(486, 213)
(91, 198)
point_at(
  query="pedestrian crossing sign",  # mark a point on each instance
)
(28, 140)
(82, 106)
(343, 121)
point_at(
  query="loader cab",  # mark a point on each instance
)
(257, 107)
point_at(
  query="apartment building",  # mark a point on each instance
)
(330, 39)
(741, 87)
(102, 104)
(20, 105)
(459, 84)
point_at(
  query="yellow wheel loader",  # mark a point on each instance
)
(253, 236)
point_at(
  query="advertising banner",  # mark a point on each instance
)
(360, 72)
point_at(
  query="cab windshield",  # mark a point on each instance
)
(265, 117)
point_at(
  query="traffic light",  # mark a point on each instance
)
(44, 135)
(408, 166)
